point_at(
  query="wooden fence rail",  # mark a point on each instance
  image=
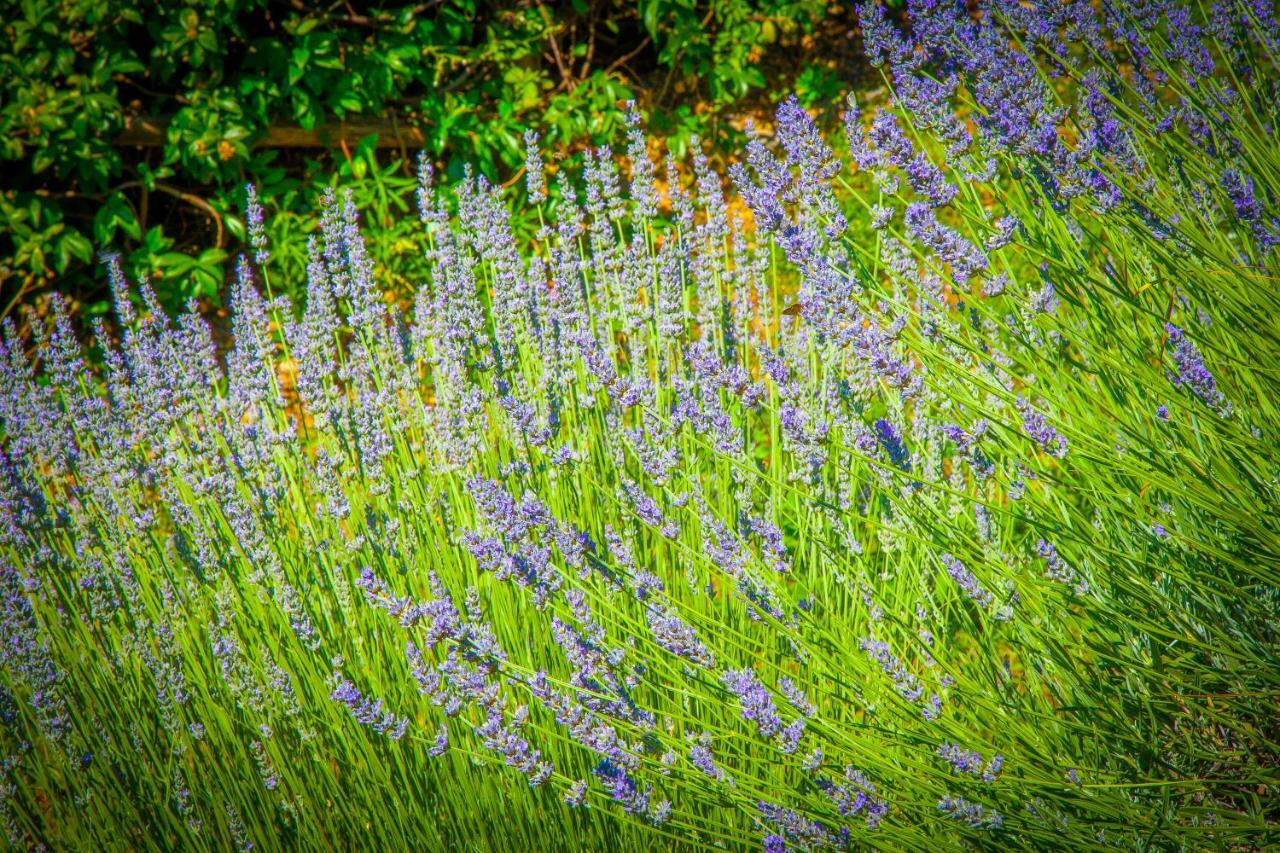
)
(153, 132)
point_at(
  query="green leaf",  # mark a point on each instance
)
(115, 214)
(234, 225)
(79, 246)
(72, 245)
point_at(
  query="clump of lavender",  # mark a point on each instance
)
(643, 189)
(796, 697)
(597, 490)
(440, 745)
(925, 178)
(576, 796)
(948, 245)
(1248, 208)
(854, 794)
(623, 788)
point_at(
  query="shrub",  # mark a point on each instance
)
(231, 87)
(919, 505)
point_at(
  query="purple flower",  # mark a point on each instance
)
(764, 192)
(973, 814)
(924, 177)
(771, 541)
(700, 756)
(949, 245)
(880, 39)
(643, 192)
(577, 793)
(971, 763)
(1191, 369)
(811, 158)
(864, 155)
(516, 552)
(622, 787)
(255, 226)
(369, 712)
(995, 285)
(441, 744)
(1038, 428)
(504, 737)
(677, 637)
(1239, 189)
(26, 657)
(648, 510)
(961, 760)
(795, 827)
(796, 696)
(1045, 301)
(1186, 44)
(907, 684)
(534, 177)
(890, 439)
(1055, 567)
(757, 704)
(789, 738)
(855, 794)
(966, 581)
(1006, 228)
(425, 192)
(440, 616)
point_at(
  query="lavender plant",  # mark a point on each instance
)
(920, 490)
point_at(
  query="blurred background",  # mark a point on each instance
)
(133, 129)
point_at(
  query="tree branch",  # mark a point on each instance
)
(189, 198)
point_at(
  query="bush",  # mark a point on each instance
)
(225, 83)
(918, 504)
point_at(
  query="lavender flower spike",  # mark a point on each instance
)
(1191, 370)
(254, 224)
(966, 580)
(534, 175)
(757, 703)
(1038, 428)
(974, 814)
(369, 712)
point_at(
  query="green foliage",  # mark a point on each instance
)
(218, 75)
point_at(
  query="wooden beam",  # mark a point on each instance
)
(153, 133)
